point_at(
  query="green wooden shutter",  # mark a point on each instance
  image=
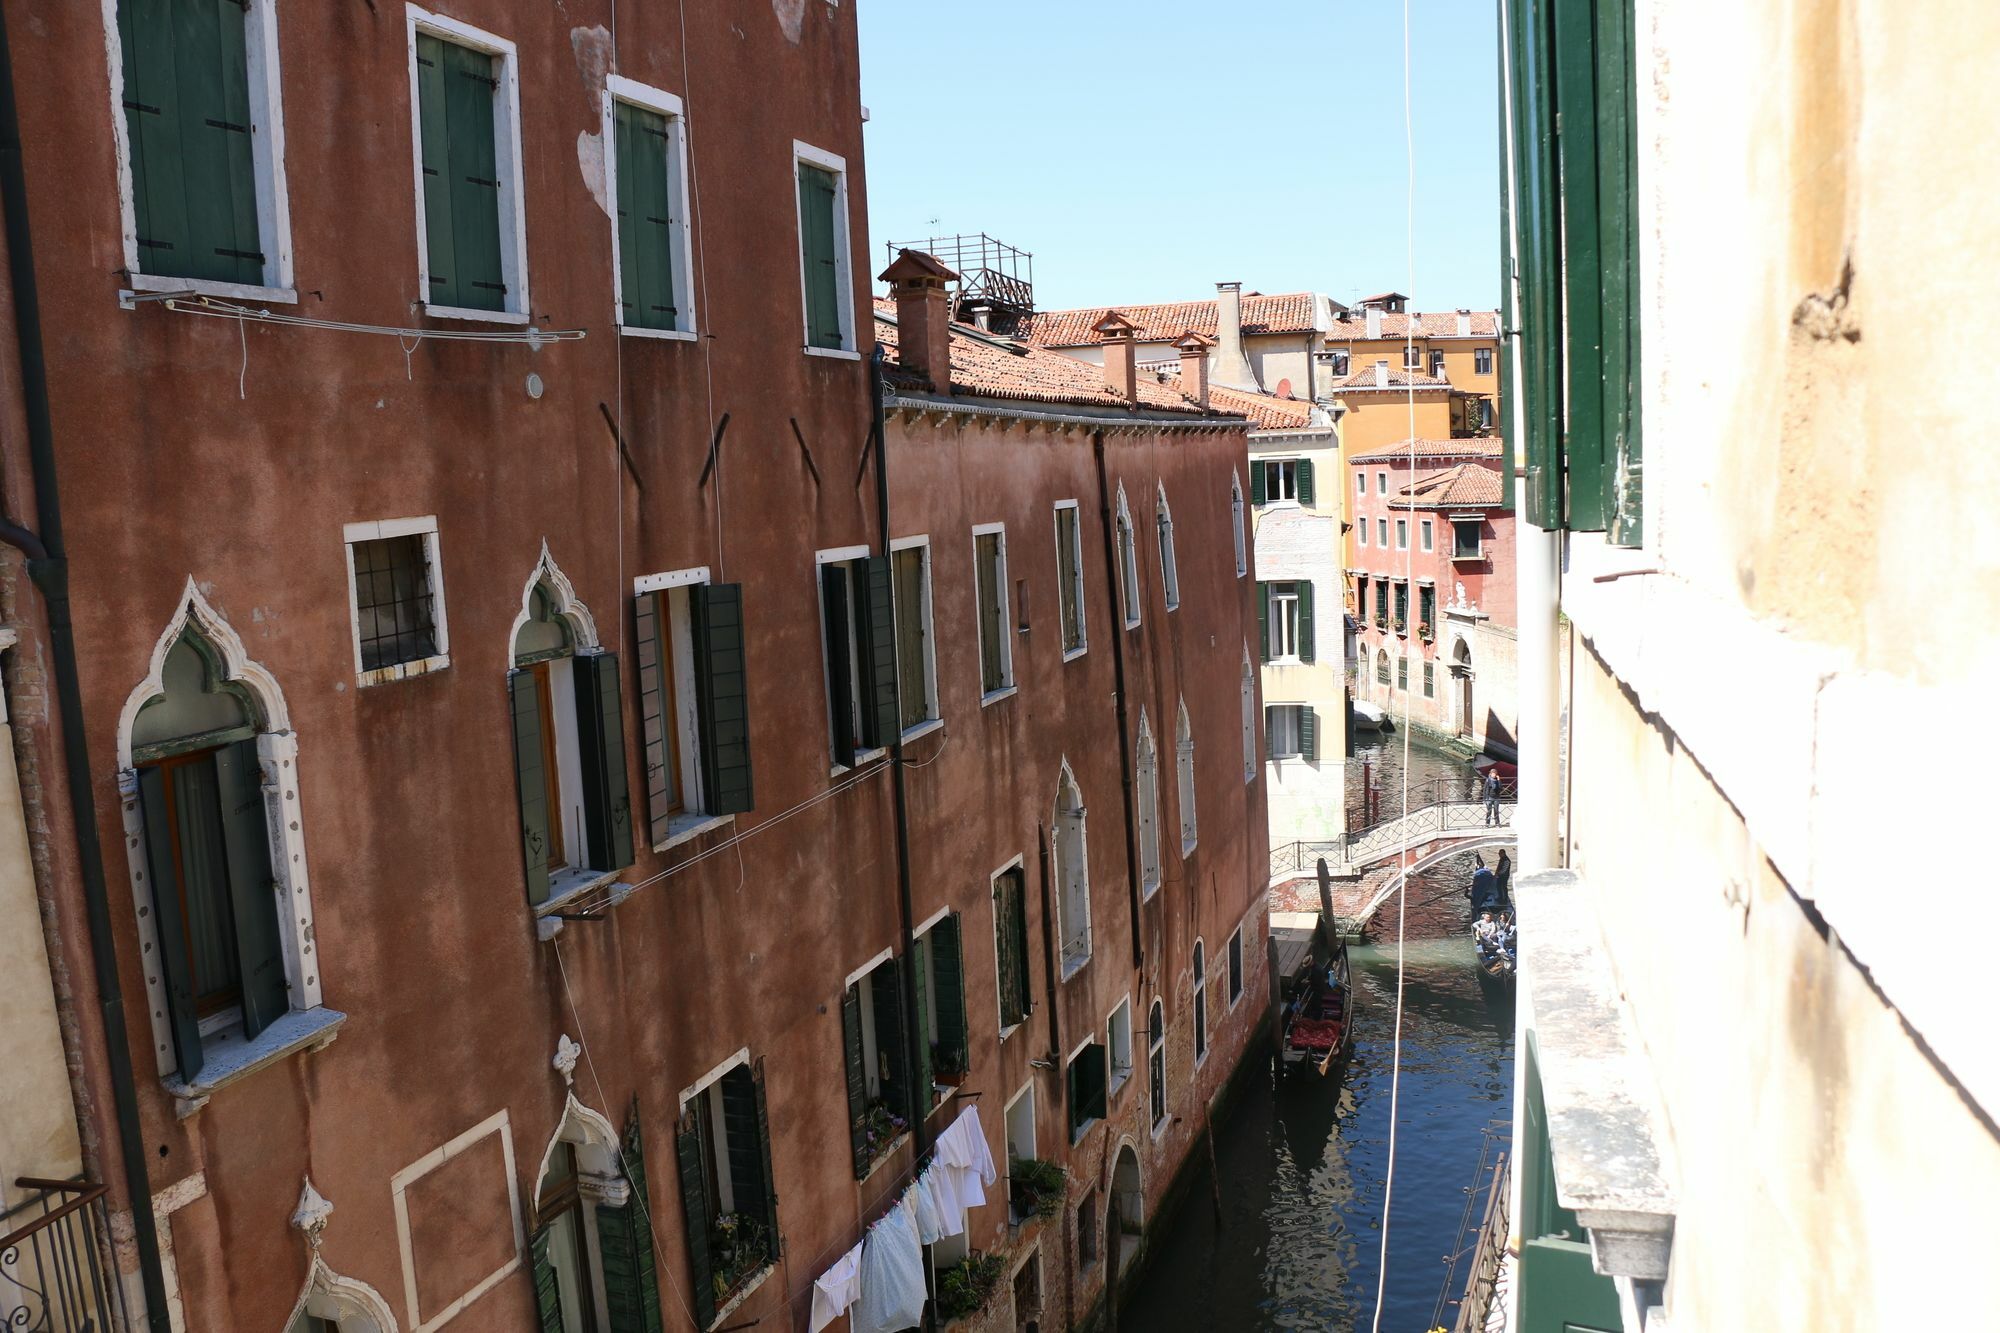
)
(1256, 481)
(548, 1295)
(645, 223)
(839, 665)
(253, 899)
(439, 252)
(745, 1148)
(817, 246)
(1263, 621)
(948, 967)
(694, 1216)
(1617, 157)
(923, 1092)
(856, 1060)
(1303, 472)
(652, 640)
(168, 925)
(1099, 1059)
(625, 1245)
(1269, 752)
(474, 177)
(625, 146)
(531, 783)
(1308, 733)
(1305, 589)
(890, 1039)
(1073, 1090)
(1583, 258)
(880, 715)
(777, 1243)
(600, 734)
(722, 697)
(1536, 218)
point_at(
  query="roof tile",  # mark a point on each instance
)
(1288, 313)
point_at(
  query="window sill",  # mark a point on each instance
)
(862, 758)
(1117, 1085)
(1011, 1028)
(1134, 623)
(566, 888)
(1148, 889)
(995, 696)
(889, 1150)
(1188, 846)
(1073, 965)
(422, 666)
(233, 1059)
(1071, 654)
(1172, 607)
(233, 291)
(478, 316)
(922, 729)
(742, 1293)
(666, 335)
(837, 353)
(1160, 1126)
(682, 827)
(1076, 1134)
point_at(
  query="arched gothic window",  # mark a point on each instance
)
(1149, 810)
(1072, 873)
(1184, 759)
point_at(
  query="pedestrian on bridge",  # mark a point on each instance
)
(1492, 797)
(1502, 872)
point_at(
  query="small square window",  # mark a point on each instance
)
(1361, 483)
(1382, 533)
(1465, 539)
(1424, 533)
(1381, 483)
(1482, 360)
(397, 598)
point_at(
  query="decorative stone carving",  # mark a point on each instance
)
(312, 1214)
(567, 1052)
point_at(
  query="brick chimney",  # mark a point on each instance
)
(1194, 365)
(923, 316)
(1232, 364)
(1121, 372)
(1381, 374)
(1465, 323)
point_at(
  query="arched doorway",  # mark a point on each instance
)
(1461, 670)
(1128, 1208)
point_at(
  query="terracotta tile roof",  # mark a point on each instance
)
(1485, 324)
(1266, 411)
(1468, 484)
(1364, 378)
(981, 368)
(1477, 446)
(1289, 313)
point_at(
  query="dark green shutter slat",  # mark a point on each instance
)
(168, 925)
(230, 135)
(1617, 156)
(655, 222)
(855, 1058)
(1263, 621)
(891, 1042)
(531, 782)
(652, 641)
(153, 126)
(252, 888)
(777, 1243)
(1269, 752)
(694, 1217)
(880, 719)
(1536, 218)
(439, 248)
(474, 177)
(948, 966)
(1305, 590)
(1583, 263)
(817, 253)
(839, 666)
(1256, 481)
(548, 1296)
(1510, 449)
(745, 1151)
(625, 1245)
(1101, 1075)
(722, 697)
(917, 960)
(1302, 472)
(600, 733)
(626, 135)
(1308, 733)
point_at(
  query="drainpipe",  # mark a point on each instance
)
(49, 568)
(912, 1039)
(1118, 677)
(1538, 588)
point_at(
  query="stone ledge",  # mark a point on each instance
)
(234, 1059)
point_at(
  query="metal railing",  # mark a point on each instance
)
(1436, 807)
(54, 1273)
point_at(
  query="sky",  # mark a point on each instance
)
(1149, 149)
(1144, 150)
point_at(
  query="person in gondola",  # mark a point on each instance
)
(1503, 873)
(1481, 892)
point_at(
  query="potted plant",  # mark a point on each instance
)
(1425, 633)
(881, 1129)
(1036, 1186)
(1381, 622)
(1399, 624)
(947, 1066)
(967, 1287)
(738, 1247)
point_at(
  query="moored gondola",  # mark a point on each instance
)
(1319, 1020)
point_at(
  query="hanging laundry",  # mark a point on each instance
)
(836, 1289)
(947, 1193)
(964, 1145)
(923, 1210)
(892, 1277)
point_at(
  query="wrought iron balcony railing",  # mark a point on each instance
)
(55, 1273)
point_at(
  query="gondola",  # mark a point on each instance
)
(1319, 1020)
(1496, 957)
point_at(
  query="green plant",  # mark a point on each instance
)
(966, 1287)
(737, 1247)
(880, 1129)
(1037, 1185)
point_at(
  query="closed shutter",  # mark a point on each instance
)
(1305, 590)
(651, 643)
(645, 222)
(722, 697)
(455, 93)
(817, 244)
(752, 1189)
(923, 1092)
(1270, 749)
(777, 1243)
(1308, 733)
(1256, 481)
(1537, 218)
(625, 1245)
(1583, 434)
(839, 665)
(1011, 941)
(627, 148)
(948, 966)
(168, 924)
(856, 1060)
(1303, 471)
(1263, 621)
(694, 1216)
(891, 1044)
(548, 1295)
(253, 901)
(187, 117)
(531, 783)
(600, 732)
(880, 718)
(440, 257)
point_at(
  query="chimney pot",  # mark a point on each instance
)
(1232, 363)
(1465, 323)
(1121, 372)
(1374, 321)
(1194, 365)
(923, 316)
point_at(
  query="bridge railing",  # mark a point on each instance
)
(1447, 805)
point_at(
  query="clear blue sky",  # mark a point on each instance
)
(1144, 150)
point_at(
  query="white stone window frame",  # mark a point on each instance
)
(1249, 691)
(399, 1184)
(1156, 1044)
(263, 56)
(618, 88)
(1127, 551)
(992, 884)
(843, 252)
(382, 530)
(308, 1025)
(1236, 522)
(1478, 520)
(1071, 961)
(1114, 1081)
(1184, 772)
(1287, 467)
(600, 1181)
(933, 709)
(1282, 618)
(1238, 970)
(1402, 530)
(1001, 590)
(1170, 573)
(1147, 797)
(1073, 576)
(506, 155)
(1426, 534)
(693, 820)
(1294, 752)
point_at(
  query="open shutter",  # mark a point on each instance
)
(1099, 1062)
(1537, 219)
(1583, 257)
(655, 223)
(839, 666)
(1256, 481)
(651, 642)
(917, 960)
(439, 254)
(1303, 471)
(548, 1295)
(625, 1245)
(817, 253)
(600, 732)
(1305, 588)
(626, 146)
(1308, 733)
(167, 923)
(152, 125)
(764, 1151)
(857, 1075)
(694, 1217)
(745, 1149)
(473, 177)
(246, 838)
(948, 967)
(1269, 751)
(531, 782)
(722, 697)
(880, 717)
(1263, 621)
(891, 1041)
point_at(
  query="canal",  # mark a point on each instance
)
(1302, 1161)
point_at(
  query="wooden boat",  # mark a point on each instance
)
(1319, 1020)
(1496, 961)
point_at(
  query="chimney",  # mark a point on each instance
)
(1232, 365)
(923, 316)
(1374, 321)
(1194, 365)
(1381, 374)
(1465, 323)
(1121, 373)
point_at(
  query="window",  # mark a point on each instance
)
(1402, 534)
(1128, 561)
(1020, 1122)
(1482, 360)
(1430, 682)
(1361, 533)
(693, 702)
(1381, 604)
(1010, 946)
(1291, 731)
(1424, 533)
(1465, 539)
(858, 645)
(1235, 967)
(1402, 606)
(1381, 666)
(1413, 357)
(198, 115)
(1200, 1003)
(824, 259)
(1028, 1294)
(1088, 1244)
(1120, 1044)
(1170, 575)
(564, 1226)
(996, 651)
(1361, 483)
(1437, 364)
(1340, 361)
(1236, 524)
(471, 231)
(916, 653)
(1087, 1088)
(1382, 533)
(1156, 1061)
(1184, 761)
(1249, 720)
(1072, 875)
(943, 1039)
(1069, 576)
(1382, 487)
(1427, 608)
(396, 591)
(1281, 480)
(1149, 811)
(647, 163)
(1402, 674)
(1287, 622)
(569, 752)
(881, 1096)
(729, 1206)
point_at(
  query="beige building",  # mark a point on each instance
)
(1759, 1082)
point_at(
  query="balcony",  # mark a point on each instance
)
(54, 1267)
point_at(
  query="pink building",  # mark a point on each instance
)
(1433, 580)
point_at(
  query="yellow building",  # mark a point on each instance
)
(1460, 347)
